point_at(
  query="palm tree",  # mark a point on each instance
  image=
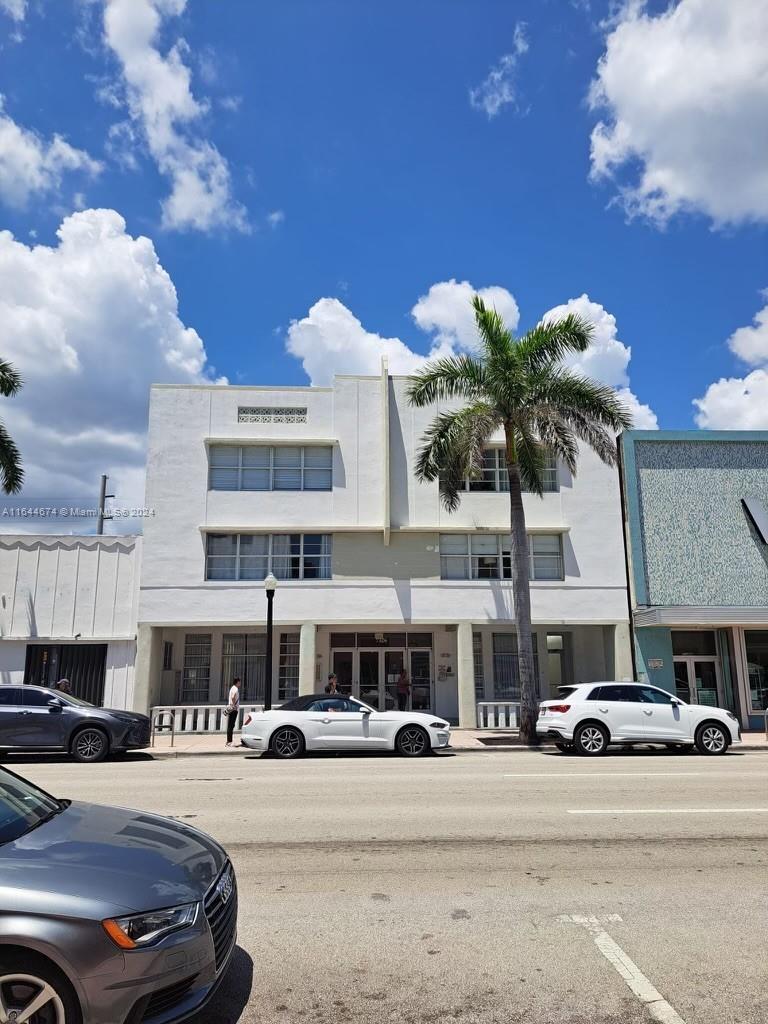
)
(521, 386)
(11, 473)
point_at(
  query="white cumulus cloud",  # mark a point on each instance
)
(446, 310)
(740, 403)
(607, 358)
(684, 95)
(16, 9)
(499, 88)
(160, 102)
(31, 166)
(90, 323)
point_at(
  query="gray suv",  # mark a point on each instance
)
(107, 916)
(34, 718)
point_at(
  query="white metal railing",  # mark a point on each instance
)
(187, 719)
(498, 714)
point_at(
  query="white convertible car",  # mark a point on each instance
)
(321, 722)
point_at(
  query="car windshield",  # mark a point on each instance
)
(22, 807)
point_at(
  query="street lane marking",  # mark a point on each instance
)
(677, 810)
(608, 775)
(656, 1005)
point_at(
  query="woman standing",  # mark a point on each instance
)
(403, 690)
(233, 708)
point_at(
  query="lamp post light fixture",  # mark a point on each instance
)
(270, 585)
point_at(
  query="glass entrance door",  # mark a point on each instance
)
(394, 663)
(421, 680)
(369, 678)
(342, 666)
(698, 680)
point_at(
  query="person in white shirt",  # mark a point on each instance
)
(233, 706)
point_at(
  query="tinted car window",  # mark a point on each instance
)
(621, 693)
(566, 691)
(22, 806)
(37, 698)
(10, 695)
(650, 695)
(596, 693)
(333, 704)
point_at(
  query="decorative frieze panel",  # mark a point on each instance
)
(271, 414)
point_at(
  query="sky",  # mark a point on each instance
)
(274, 191)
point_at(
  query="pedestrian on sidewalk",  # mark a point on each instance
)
(403, 690)
(233, 708)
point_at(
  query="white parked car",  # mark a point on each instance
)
(321, 722)
(590, 716)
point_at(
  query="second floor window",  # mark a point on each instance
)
(494, 475)
(252, 556)
(488, 556)
(258, 467)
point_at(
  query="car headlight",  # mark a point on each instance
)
(438, 725)
(141, 930)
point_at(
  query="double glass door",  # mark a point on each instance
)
(374, 677)
(697, 680)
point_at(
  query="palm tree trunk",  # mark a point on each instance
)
(521, 592)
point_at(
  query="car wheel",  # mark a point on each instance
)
(412, 741)
(591, 740)
(30, 982)
(287, 742)
(712, 739)
(90, 745)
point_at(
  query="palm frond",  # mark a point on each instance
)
(555, 434)
(11, 472)
(495, 337)
(549, 343)
(453, 449)
(10, 379)
(450, 377)
(568, 391)
(531, 458)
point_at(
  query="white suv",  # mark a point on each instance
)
(590, 716)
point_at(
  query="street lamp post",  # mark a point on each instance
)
(270, 585)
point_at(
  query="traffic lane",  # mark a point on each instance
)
(521, 795)
(397, 931)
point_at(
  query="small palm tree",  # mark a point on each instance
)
(544, 408)
(11, 473)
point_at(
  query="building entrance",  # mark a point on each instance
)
(373, 673)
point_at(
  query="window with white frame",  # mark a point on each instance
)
(252, 556)
(485, 556)
(288, 675)
(196, 674)
(494, 473)
(258, 467)
(243, 657)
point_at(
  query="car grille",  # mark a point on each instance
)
(221, 912)
(166, 998)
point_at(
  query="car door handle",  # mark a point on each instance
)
(648, 712)
(323, 721)
(603, 710)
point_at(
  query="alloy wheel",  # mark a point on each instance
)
(25, 999)
(287, 743)
(713, 739)
(412, 742)
(592, 739)
(89, 744)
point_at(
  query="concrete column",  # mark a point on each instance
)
(622, 652)
(465, 672)
(146, 680)
(307, 652)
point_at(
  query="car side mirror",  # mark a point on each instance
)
(55, 704)
(676, 703)
(365, 712)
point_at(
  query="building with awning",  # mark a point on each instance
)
(696, 522)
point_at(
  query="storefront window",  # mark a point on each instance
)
(694, 642)
(757, 665)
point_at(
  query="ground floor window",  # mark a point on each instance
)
(82, 664)
(477, 657)
(506, 666)
(244, 655)
(756, 642)
(288, 677)
(196, 674)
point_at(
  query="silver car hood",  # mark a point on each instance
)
(109, 856)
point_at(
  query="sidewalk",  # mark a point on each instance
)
(461, 740)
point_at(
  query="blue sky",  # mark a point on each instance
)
(369, 152)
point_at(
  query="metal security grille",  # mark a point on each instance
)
(196, 674)
(477, 658)
(82, 664)
(506, 666)
(244, 657)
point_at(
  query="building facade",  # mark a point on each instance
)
(68, 609)
(695, 508)
(317, 486)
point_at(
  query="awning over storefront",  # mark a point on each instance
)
(687, 616)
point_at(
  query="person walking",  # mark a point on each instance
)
(403, 690)
(233, 708)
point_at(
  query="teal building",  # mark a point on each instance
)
(696, 520)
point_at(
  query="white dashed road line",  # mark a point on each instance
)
(656, 1005)
(675, 810)
(606, 775)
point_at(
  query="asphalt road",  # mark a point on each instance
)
(477, 887)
